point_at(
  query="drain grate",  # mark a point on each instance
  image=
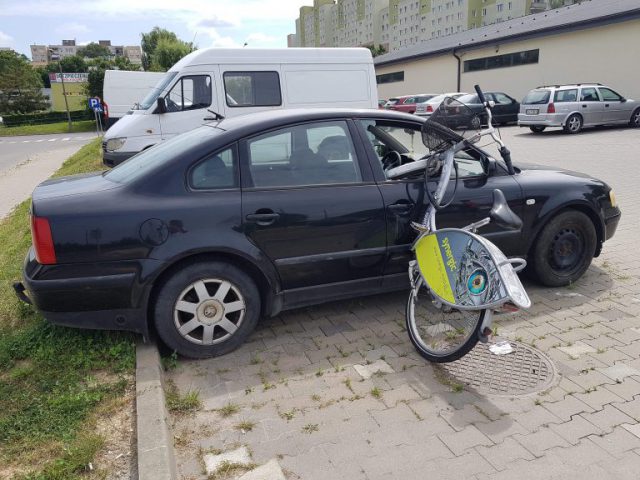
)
(522, 372)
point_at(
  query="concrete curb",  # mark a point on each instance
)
(156, 460)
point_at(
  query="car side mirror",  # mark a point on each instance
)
(162, 106)
(622, 100)
(490, 165)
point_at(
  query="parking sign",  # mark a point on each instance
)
(94, 104)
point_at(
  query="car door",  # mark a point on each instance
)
(505, 108)
(311, 207)
(188, 102)
(613, 106)
(405, 200)
(590, 106)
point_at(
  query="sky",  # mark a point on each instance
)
(209, 23)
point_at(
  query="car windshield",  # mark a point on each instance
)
(536, 97)
(469, 98)
(155, 92)
(159, 155)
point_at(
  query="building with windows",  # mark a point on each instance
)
(398, 24)
(42, 54)
(585, 42)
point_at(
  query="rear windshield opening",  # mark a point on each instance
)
(535, 97)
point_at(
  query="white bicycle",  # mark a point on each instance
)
(458, 278)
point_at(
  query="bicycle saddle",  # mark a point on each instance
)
(502, 214)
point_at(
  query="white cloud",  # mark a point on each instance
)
(71, 29)
(5, 40)
(260, 39)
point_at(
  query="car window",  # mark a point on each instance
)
(536, 97)
(215, 172)
(189, 93)
(252, 89)
(320, 153)
(502, 99)
(609, 95)
(566, 95)
(469, 164)
(589, 95)
(469, 99)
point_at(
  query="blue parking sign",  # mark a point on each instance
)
(94, 104)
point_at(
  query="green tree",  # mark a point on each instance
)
(72, 64)
(168, 53)
(94, 50)
(19, 85)
(150, 41)
(375, 51)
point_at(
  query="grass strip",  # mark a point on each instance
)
(49, 128)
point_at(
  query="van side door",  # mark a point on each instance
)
(188, 103)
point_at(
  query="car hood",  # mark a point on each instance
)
(73, 185)
(554, 174)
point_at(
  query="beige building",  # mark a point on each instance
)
(398, 24)
(41, 54)
(585, 42)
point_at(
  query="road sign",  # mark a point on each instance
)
(94, 104)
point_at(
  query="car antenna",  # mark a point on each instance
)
(215, 114)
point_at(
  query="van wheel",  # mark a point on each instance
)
(206, 309)
(573, 124)
(537, 128)
(564, 249)
(635, 119)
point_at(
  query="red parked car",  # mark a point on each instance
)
(407, 103)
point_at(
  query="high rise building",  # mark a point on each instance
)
(397, 24)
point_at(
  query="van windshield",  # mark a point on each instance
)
(155, 92)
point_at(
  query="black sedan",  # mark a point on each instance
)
(200, 236)
(505, 110)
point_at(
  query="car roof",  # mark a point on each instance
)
(274, 118)
(569, 85)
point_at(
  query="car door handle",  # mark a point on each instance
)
(263, 218)
(606, 105)
(584, 106)
(399, 208)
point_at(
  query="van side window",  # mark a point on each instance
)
(252, 89)
(190, 93)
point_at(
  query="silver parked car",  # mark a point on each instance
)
(426, 108)
(573, 107)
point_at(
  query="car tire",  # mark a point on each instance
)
(564, 249)
(573, 124)
(206, 309)
(475, 123)
(634, 122)
(537, 128)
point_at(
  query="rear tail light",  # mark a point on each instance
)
(551, 108)
(429, 108)
(42, 240)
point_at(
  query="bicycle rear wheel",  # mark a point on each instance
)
(440, 335)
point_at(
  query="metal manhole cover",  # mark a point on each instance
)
(522, 372)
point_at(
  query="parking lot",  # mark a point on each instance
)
(337, 392)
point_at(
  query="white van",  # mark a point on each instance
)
(122, 89)
(215, 82)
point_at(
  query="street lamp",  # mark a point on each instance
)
(64, 91)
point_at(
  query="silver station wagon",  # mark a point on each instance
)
(573, 107)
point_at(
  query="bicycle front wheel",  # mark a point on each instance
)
(441, 335)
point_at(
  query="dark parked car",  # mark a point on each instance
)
(504, 111)
(202, 235)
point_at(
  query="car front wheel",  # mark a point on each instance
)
(635, 119)
(564, 249)
(206, 309)
(573, 124)
(537, 128)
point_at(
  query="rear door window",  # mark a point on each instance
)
(589, 95)
(566, 95)
(252, 89)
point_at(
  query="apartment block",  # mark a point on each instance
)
(398, 24)
(42, 54)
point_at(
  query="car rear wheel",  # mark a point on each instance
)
(537, 128)
(475, 123)
(635, 119)
(206, 309)
(573, 124)
(564, 249)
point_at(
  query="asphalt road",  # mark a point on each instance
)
(17, 150)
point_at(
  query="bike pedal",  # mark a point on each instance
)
(484, 336)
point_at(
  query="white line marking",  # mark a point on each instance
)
(26, 141)
(38, 141)
(52, 140)
(65, 139)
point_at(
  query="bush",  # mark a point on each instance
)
(45, 117)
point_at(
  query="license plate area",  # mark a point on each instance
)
(532, 111)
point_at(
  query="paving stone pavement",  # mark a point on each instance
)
(304, 382)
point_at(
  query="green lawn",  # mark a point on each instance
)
(49, 128)
(54, 381)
